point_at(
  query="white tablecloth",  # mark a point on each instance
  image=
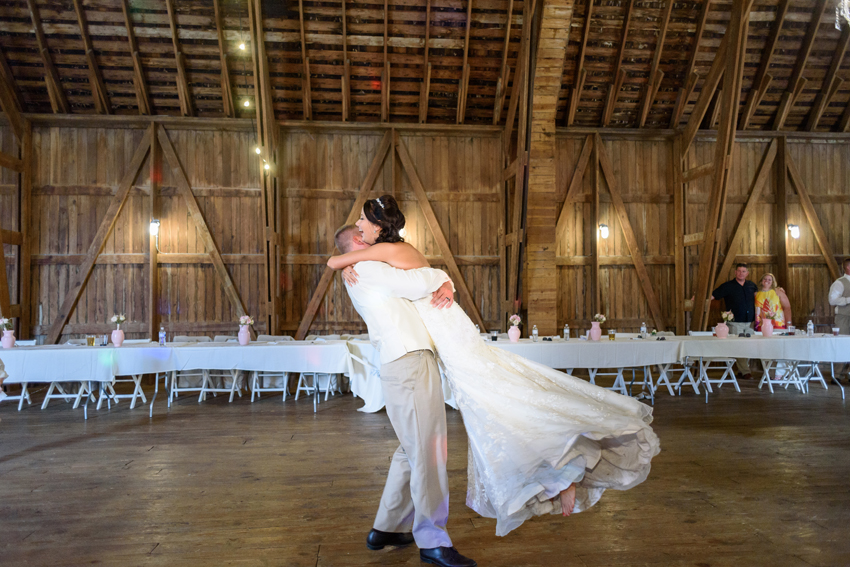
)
(575, 353)
(820, 348)
(77, 363)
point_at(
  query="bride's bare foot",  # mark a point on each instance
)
(568, 500)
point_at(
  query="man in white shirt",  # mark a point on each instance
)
(416, 493)
(839, 296)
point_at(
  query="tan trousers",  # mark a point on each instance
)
(742, 364)
(416, 495)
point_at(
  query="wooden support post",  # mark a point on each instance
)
(682, 99)
(464, 76)
(10, 97)
(679, 256)
(426, 67)
(749, 210)
(153, 261)
(99, 240)
(306, 91)
(346, 86)
(185, 191)
(5, 298)
(26, 228)
(812, 216)
(139, 83)
(226, 91)
(831, 83)
(502, 83)
(781, 211)
(581, 72)
(385, 92)
(183, 91)
(58, 101)
(353, 215)
(735, 42)
(619, 72)
(631, 241)
(595, 287)
(446, 251)
(98, 89)
(520, 83)
(655, 74)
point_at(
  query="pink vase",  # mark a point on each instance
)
(513, 333)
(595, 331)
(244, 335)
(8, 340)
(721, 330)
(118, 337)
(767, 328)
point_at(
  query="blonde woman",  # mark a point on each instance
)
(771, 302)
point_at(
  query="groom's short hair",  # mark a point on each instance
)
(344, 237)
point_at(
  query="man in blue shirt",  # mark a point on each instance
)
(740, 297)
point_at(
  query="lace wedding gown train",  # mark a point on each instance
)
(533, 430)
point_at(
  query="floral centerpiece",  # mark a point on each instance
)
(244, 332)
(118, 334)
(766, 322)
(595, 330)
(513, 332)
(8, 340)
(721, 329)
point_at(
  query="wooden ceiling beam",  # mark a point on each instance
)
(690, 75)
(98, 89)
(346, 69)
(502, 83)
(9, 99)
(520, 81)
(226, 91)
(655, 74)
(762, 78)
(619, 72)
(386, 85)
(581, 73)
(307, 94)
(182, 82)
(262, 84)
(794, 87)
(709, 86)
(58, 100)
(831, 83)
(139, 83)
(426, 67)
(844, 124)
(464, 76)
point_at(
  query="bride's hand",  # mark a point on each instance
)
(349, 275)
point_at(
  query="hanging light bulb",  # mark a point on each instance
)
(242, 46)
(257, 149)
(266, 165)
(246, 104)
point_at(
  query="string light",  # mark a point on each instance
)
(257, 149)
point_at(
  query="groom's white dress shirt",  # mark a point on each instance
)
(381, 298)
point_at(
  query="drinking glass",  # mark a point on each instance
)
(90, 340)
(612, 334)
(494, 335)
(792, 330)
(835, 331)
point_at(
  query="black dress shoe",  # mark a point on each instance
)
(378, 540)
(446, 557)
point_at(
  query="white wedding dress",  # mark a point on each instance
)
(533, 430)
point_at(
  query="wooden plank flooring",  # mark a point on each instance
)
(750, 479)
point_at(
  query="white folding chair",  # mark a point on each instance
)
(190, 376)
(791, 375)
(812, 373)
(135, 379)
(280, 378)
(58, 387)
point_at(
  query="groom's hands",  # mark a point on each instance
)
(444, 296)
(349, 275)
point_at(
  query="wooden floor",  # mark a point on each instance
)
(750, 479)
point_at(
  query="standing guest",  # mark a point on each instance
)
(771, 300)
(740, 297)
(839, 296)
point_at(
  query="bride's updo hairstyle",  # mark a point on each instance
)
(384, 212)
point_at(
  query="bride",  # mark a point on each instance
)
(540, 441)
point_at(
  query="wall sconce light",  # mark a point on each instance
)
(155, 231)
(603, 230)
(794, 230)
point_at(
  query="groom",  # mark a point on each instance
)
(416, 494)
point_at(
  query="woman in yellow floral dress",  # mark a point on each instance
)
(771, 302)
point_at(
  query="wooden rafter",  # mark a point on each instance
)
(690, 74)
(831, 83)
(434, 225)
(520, 83)
(426, 67)
(346, 68)
(385, 72)
(185, 190)
(812, 216)
(749, 209)
(679, 256)
(58, 101)
(631, 241)
(733, 61)
(619, 73)
(103, 232)
(7, 77)
(504, 70)
(655, 74)
(463, 85)
(307, 94)
(139, 84)
(762, 79)
(575, 183)
(794, 88)
(27, 229)
(353, 215)
(98, 89)
(844, 123)
(226, 91)
(262, 83)
(179, 60)
(709, 86)
(781, 211)
(581, 73)
(11, 162)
